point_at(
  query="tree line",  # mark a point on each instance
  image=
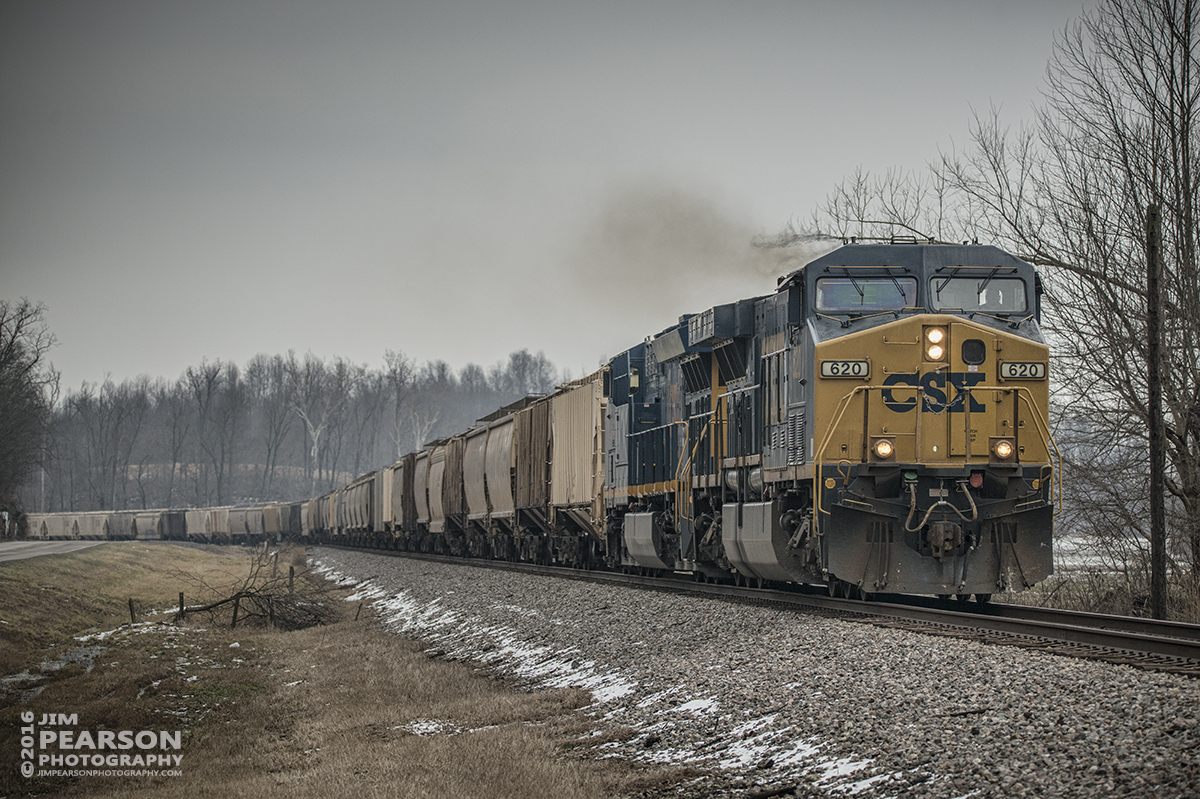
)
(279, 427)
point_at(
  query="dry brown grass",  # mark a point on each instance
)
(1106, 591)
(347, 726)
(45, 601)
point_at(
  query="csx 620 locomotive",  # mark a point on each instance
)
(879, 424)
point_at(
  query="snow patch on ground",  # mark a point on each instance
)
(424, 727)
(618, 697)
(708, 705)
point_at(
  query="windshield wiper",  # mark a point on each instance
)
(945, 281)
(987, 280)
(861, 297)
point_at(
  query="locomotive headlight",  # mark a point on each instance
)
(882, 449)
(935, 338)
(1003, 449)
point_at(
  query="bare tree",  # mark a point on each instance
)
(221, 405)
(231, 417)
(1118, 131)
(317, 400)
(270, 391)
(28, 389)
(1121, 130)
(176, 412)
(524, 373)
(344, 378)
(423, 416)
(398, 372)
(367, 403)
(111, 417)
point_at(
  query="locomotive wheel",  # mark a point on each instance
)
(983, 599)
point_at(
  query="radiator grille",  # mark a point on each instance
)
(795, 439)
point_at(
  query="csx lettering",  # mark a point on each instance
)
(934, 385)
(889, 399)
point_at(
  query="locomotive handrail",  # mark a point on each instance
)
(1022, 392)
(1043, 429)
(687, 465)
(840, 411)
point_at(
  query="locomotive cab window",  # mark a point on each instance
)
(857, 294)
(989, 295)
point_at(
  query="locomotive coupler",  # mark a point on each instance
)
(795, 524)
(944, 538)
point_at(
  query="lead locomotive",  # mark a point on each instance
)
(877, 424)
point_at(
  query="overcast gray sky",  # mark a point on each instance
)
(181, 180)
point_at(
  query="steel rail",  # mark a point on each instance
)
(1100, 621)
(1092, 633)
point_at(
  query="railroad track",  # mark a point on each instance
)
(1145, 643)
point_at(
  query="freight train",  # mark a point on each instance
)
(879, 423)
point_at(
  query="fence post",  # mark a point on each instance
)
(236, 602)
(132, 618)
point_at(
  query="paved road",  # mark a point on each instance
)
(19, 550)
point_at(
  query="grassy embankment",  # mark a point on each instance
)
(329, 710)
(1096, 590)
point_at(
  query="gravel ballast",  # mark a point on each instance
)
(761, 699)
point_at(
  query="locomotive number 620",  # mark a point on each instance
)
(845, 368)
(1022, 370)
